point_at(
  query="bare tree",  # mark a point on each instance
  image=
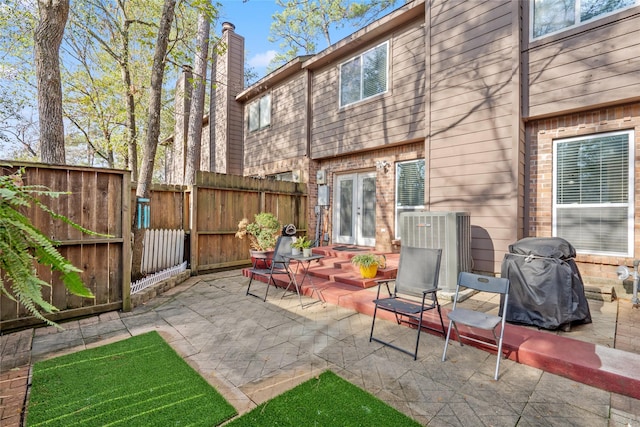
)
(53, 16)
(153, 124)
(194, 134)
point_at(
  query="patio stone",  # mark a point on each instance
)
(252, 350)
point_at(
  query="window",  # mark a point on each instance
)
(260, 113)
(551, 16)
(409, 188)
(364, 76)
(593, 192)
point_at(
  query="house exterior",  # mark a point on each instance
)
(524, 114)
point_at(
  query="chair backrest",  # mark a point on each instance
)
(418, 270)
(482, 283)
(283, 247)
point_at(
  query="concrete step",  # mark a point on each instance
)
(600, 293)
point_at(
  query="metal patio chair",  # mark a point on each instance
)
(414, 292)
(477, 319)
(279, 266)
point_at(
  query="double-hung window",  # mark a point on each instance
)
(260, 113)
(551, 16)
(365, 75)
(409, 188)
(593, 192)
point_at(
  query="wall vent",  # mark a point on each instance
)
(449, 231)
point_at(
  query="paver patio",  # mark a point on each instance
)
(252, 350)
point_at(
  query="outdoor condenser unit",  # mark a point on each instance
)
(449, 231)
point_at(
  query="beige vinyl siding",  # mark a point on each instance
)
(591, 68)
(473, 142)
(397, 115)
(285, 138)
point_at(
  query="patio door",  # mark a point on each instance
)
(354, 218)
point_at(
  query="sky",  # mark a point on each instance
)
(252, 20)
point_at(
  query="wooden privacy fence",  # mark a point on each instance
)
(98, 200)
(101, 200)
(218, 202)
(210, 210)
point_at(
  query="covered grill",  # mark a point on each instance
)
(546, 287)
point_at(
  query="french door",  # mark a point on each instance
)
(354, 218)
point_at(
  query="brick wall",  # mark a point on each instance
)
(540, 135)
(385, 184)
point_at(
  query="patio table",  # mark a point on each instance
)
(303, 262)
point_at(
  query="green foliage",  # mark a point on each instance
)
(22, 246)
(262, 233)
(119, 384)
(102, 39)
(303, 24)
(302, 242)
(367, 260)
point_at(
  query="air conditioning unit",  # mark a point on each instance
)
(449, 231)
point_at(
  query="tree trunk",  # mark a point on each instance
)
(194, 134)
(153, 126)
(132, 141)
(53, 16)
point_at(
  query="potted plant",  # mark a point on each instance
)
(262, 234)
(369, 264)
(303, 244)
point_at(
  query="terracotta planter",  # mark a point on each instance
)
(369, 272)
(261, 259)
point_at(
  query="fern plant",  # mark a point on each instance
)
(22, 246)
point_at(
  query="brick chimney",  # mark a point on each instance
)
(177, 152)
(224, 151)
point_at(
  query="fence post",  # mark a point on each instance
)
(126, 241)
(193, 226)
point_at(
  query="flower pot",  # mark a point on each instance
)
(306, 252)
(295, 251)
(369, 272)
(261, 259)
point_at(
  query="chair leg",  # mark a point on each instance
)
(373, 322)
(267, 291)
(249, 285)
(415, 354)
(254, 295)
(495, 377)
(446, 341)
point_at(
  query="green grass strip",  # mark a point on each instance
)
(140, 381)
(327, 400)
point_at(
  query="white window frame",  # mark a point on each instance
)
(362, 98)
(578, 22)
(630, 196)
(401, 209)
(263, 107)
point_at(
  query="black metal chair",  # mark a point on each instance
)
(414, 293)
(279, 265)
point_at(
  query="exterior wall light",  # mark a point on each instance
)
(383, 165)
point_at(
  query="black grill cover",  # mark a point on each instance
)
(546, 287)
(547, 247)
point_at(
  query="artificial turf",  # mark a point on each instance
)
(140, 381)
(326, 400)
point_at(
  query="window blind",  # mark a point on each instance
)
(592, 197)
